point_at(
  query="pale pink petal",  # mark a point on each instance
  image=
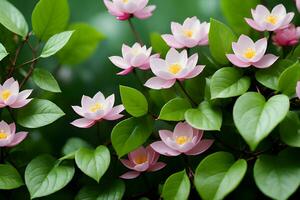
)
(139, 152)
(112, 9)
(20, 104)
(119, 62)
(83, 123)
(125, 71)
(202, 146)
(183, 129)
(298, 86)
(157, 166)
(78, 110)
(127, 163)
(8, 83)
(152, 155)
(173, 56)
(86, 102)
(161, 148)
(18, 138)
(130, 175)
(288, 18)
(159, 83)
(99, 97)
(260, 47)
(12, 127)
(141, 167)
(237, 62)
(279, 10)
(114, 114)
(139, 60)
(266, 61)
(195, 72)
(164, 134)
(145, 13)
(24, 94)
(109, 101)
(245, 42)
(157, 65)
(192, 61)
(175, 28)
(171, 41)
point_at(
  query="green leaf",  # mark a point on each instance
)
(38, 113)
(235, 13)
(158, 44)
(277, 176)
(9, 177)
(177, 186)
(130, 134)
(71, 146)
(228, 82)
(174, 109)
(113, 190)
(45, 80)
(255, 118)
(290, 130)
(206, 117)
(12, 19)
(3, 52)
(93, 163)
(56, 43)
(134, 101)
(269, 77)
(220, 41)
(44, 177)
(50, 17)
(82, 44)
(288, 80)
(219, 174)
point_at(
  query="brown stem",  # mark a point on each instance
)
(135, 33)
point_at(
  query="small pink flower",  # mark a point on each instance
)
(264, 20)
(176, 66)
(247, 53)
(191, 34)
(125, 9)
(298, 89)
(288, 36)
(141, 160)
(96, 109)
(184, 139)
(133, 57)
(298, 4)
(8, 135)
(10, 95)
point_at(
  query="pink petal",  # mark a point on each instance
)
(171, 41)
(175, 28)
(159, 83)
(119, 62)
(130, 175)
(139, 152)
(114, 113)
(86, 102)
(125, 71)
(164, 134)
(8, 83)
(78, 110)
(141, 167)
(83, 123)
(183, 129)
(152, 155)
(261, 47)
(202, 146)
(18, 138)
(99, 97)
(195, 72)
(20, 104)
(266, 61)
(298, 86)
(112, 9)
(145, 13)
(237, 62)
(289, 17)
(127, 163)
(253, 24)
(163, 149)
(139, 60)
(12, 127)
(157, 166)
(24, 94)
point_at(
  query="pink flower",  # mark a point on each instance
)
(247, 53)
(125, 9)
(96, 109)
(133, 57)
(177, 66)
(264, 20)
(8, 135)
(10, 95)
(288, 36)
(192, 33)
(184, 139)
(298, 5)
(298, 89)
(141, 160)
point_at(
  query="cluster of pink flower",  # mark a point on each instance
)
(178, 66)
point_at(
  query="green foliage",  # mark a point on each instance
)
(290, 130)
(177, 187)
(134, 101)
(219, 174)
(255, 117)
(50, 17)
(3, 52)
(72, 145)
(45, 80)
(288, 79)
(174, 109)
(158, 44)
(9, 177)
(38, 113)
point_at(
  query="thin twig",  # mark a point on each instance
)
(186, 93)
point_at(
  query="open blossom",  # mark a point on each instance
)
(141, 160)
(96, 109)
(184, 139)
(176, 66)
(247, 53)
(190, 34)
(298, 5)
(264, 20)
(124, 9)
(8, 135)
(288, 36)
(133, 57)
(10, 95)
(298, 89)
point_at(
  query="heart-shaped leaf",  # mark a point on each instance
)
(9, 177)
(228, 82)
(255, 118)
(177, 186)
(290, 130)
(206, 117)
(278, 176)
(174, 109)
(219, 174)
(93, 163)
(71, 146)
(45, 80)
(43, 176)
(288, 79)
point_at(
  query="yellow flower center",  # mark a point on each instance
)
(5, 94)
(3, 135)
(188, 33)
(140, 159)
(96, 107)
(175, 68)
(271, 19)
(250, 53)
(182, 140)
(125, 1)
